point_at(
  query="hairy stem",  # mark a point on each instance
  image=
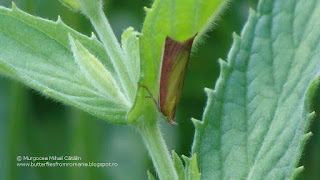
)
(148, 127)
(158, 151)
(113, 48)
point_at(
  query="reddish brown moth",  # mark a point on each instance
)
(175, 58)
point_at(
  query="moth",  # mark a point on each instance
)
(174, 63)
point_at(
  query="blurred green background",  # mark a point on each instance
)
(33, 125)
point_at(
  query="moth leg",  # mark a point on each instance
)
(150, 96)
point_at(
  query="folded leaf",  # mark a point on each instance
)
(191, 168)
(178, 166)
(37, 53)
(256, 120)
(97, 75)
(131, 50)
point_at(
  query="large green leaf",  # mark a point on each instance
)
(36, 52)
(256, 120)
(179, 19)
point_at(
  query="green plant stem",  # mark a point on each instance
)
(158, 151)
(108, 38)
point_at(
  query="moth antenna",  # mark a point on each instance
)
(150, 96)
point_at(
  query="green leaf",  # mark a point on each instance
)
(178, 166)
(311, 157)
(256, 120)
(36, 52)
(130, 47)
(180, 19)
(191, 168)
(150, 176)
(96, 74)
